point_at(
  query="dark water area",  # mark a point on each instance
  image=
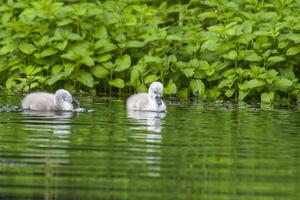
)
(190, 152)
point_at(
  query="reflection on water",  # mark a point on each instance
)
(56, 122)
(152, 122)
(145, 120)
(191, 152)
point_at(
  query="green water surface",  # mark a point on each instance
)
(191, 152)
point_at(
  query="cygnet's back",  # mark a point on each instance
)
(138, 102)
(39, 101)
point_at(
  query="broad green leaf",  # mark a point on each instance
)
(183, 93)
(27, 48)
(70, 55)
(210, 45)
(54, 78)
(87, 60)
(203, 64)
(56, 69)
(254, 83)
(171, 88)
(62, 45)
(275, 59)
(118, 83)
(134, 44)
(8, 48)
(134, 75)
(267, 97)
(64, 22)
(213, 93)
(86, 78)
(69, 68)
(197, 87)
(100, 72)
(288, 72)
(229, 93)
(32, 70)
(122, 63)
(283, 84)
(104, 46)
(174, 38)
(150, 78)
(188, 72)
(243, 94)
(293, 51)
(232, 55)
(251, 55)
(142, 88)
(100, 33)
(103, 58)
(48, 52)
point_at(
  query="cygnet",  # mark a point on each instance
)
(150, 101)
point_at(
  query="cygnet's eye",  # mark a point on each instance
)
(154, 92)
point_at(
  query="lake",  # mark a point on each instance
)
(194, 151)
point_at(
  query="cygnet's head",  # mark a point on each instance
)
(156, 91)
(63, 95)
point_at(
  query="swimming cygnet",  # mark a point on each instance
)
(42, 101)
(150, 101)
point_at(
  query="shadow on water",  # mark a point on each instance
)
(193, 151)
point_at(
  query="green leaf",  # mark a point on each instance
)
(171, 88)
(150, 78)
(100, 72)
(122, 63)
(243, 94)
(69, 68)
(32, 70)
(229, 93)
(134, 44)
(118, 83)
(188, 72)
(100, 33)
(62, 45)
(232, 55)
(104, 46)
(283, 84)
(27, 48)
(56, 69)
(8, 48)
(267, 97)
(203, 64)
(48, 52)
(86, 78)
(197, 87)
(87, 60)
(293, 51)
(210, 45)
(54, 78)
(275, 59)
(104, 58)
(254, 83)
(252, 56)
(134, 75)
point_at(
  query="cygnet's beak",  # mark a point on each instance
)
(75, 102)
(158, 100)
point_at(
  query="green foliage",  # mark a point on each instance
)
(211, 49)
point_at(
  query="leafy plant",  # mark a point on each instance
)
(215, 49)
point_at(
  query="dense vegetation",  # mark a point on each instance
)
(219, 49)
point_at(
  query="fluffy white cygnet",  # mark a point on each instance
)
(150, 101)
(41, 101)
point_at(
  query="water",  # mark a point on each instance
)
(191, 152)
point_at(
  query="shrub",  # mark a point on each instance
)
(211, 49)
